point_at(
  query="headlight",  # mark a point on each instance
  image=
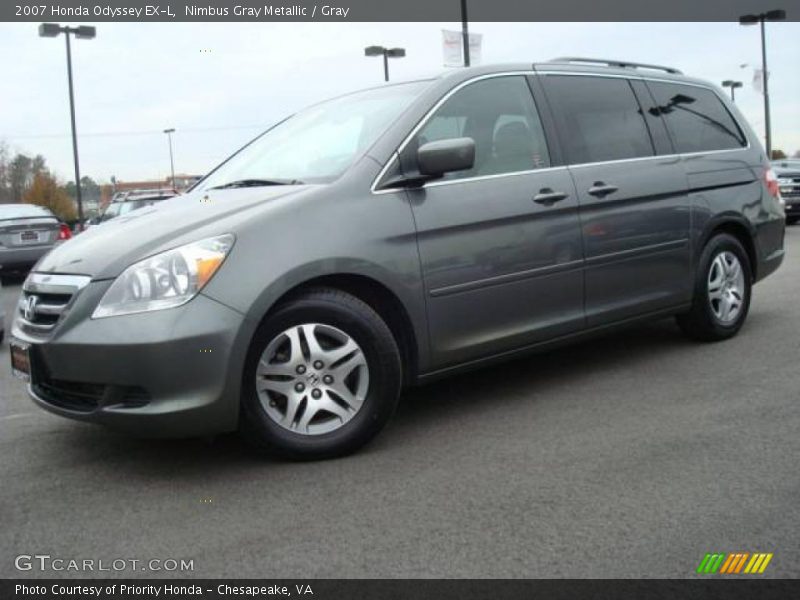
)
(165, 280)
(784, 181)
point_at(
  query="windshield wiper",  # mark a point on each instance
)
(240, 183)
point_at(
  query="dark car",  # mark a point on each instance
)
(27, 232)
(395, 235)
(788, 174)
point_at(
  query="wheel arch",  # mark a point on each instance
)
(739, 228)
(375, 293)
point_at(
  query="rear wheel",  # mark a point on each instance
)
(722, 291)
(322, 378)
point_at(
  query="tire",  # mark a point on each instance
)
(364, 373)
(704, 321)
(792, 220)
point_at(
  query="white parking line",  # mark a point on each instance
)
(17, 416)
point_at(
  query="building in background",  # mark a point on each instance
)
(183, 182)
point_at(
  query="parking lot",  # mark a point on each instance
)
(628, 456)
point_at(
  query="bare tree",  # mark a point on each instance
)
(21, 171)
(5, 192)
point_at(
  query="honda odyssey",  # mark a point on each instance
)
(394, 235)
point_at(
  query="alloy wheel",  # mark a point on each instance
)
(312, 379)
(726, 287)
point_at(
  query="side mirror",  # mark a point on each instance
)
(445, 156)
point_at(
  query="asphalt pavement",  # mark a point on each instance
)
(631, 455)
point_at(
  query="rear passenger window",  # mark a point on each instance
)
(599, 118)
(696, 118)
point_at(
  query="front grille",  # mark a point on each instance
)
(88, 397)
(81, 396)
(46, 298)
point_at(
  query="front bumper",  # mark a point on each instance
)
(792, 202)
(21, 257)
(169, 373)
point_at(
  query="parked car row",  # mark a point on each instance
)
(125, 202)
(27, 232)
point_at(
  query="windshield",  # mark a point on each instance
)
(791, 163)
(317, 144)
(113, 210)
(116, 209)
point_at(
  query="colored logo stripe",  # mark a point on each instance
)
(758, 563)
(734, 563)
(710, 563)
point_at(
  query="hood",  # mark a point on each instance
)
(105, 250)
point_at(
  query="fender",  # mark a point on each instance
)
(727, 218)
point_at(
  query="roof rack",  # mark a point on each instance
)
(624, 64)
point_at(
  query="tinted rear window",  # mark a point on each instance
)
(20, 211)
(599, 118)
(696, 118)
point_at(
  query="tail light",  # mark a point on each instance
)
(771, 181)
(64, 232)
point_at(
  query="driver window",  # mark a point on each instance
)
(500, 115)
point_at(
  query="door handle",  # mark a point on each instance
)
(601, 189)
(548, 197)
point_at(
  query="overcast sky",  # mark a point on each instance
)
(220, 84)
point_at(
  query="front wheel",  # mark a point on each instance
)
(322, 377)
(723, 285)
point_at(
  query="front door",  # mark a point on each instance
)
(500, 244)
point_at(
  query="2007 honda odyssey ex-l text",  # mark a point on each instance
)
(398, 234)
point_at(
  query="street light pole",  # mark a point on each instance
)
(765, 78)
(733, 85)
(74, 136)
(465, 31)
(772, 15)
(82, 32)
(387, 53)
(169, 133)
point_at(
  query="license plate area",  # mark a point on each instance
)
(20, 359)
(29, 237)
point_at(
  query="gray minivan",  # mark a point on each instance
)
(395, 235)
